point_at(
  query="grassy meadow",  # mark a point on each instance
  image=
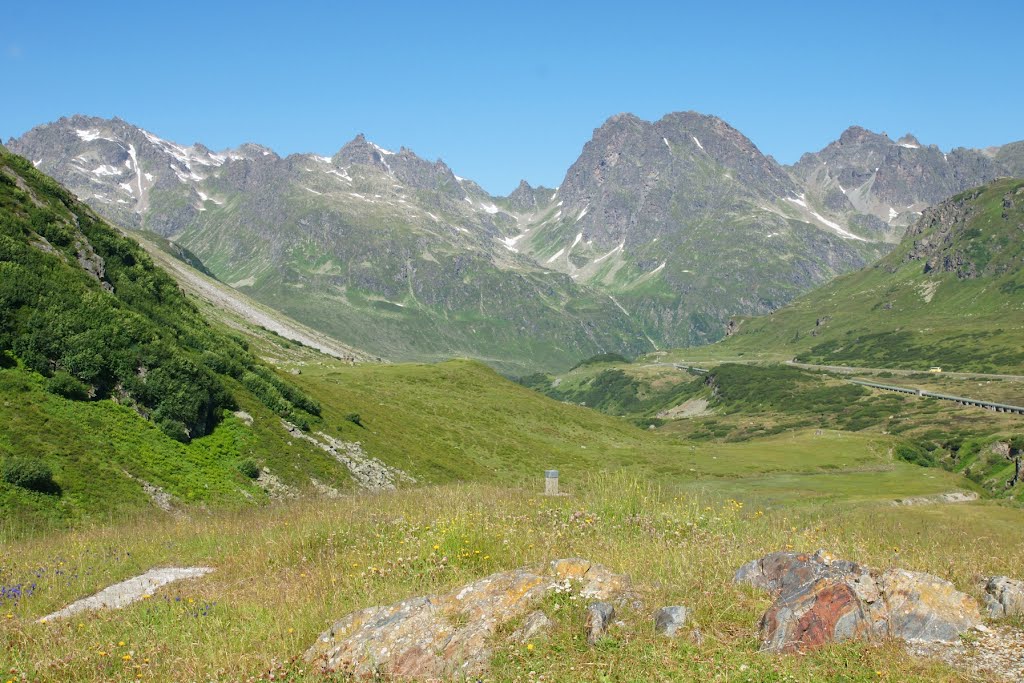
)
(286, 571)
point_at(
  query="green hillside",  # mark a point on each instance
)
(112, 383)
(951, 295)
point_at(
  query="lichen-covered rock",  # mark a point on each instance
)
(536, 624)
(920, 606)
(669, 620)
(448, 636)
(821, 600)
(1004, 597)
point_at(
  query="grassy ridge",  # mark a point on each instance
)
(964, 311)
(87, 308)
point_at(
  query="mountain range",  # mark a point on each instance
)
(658, 235)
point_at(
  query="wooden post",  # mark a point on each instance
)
(550, 482)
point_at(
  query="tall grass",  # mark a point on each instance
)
(285, 572)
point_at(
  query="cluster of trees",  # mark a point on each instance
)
(118, 329)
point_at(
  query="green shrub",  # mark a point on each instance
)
(355, 419)
(174, 429)
(67, 385)
(300, 421)
(28, 473)
(249, 469)
(601, 358)
(914, 454)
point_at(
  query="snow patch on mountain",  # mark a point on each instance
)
(619, 248)
(138, 169)
(90, 135)
(559, 253)
(104, 169)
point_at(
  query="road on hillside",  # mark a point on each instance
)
(845, 369)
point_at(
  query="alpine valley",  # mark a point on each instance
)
(163, 419)
(659, 234)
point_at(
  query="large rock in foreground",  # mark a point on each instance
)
(449, 636)
(820, 600)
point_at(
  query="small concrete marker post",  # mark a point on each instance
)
(550, 482)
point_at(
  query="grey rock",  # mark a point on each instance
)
(669, 620)
(451, 636)
(131, 590)
(1004, 597)
(599, 618)
(536, 624)
(368, 472)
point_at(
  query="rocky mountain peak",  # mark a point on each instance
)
(856, 135)
(359, 150)
(621, 119)
(909, 141)
(249, 150)
(523, 198)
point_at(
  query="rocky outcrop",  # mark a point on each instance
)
(952, 237)
(449, 636)
(1004, 597)
(368, 472)
(939, 498)
(820, 600)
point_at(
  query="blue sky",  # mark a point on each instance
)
(503, 91)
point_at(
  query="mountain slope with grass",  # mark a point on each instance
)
(112, 384)
(950, 295)
(382, 250)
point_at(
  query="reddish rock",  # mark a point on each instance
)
(825, 611)
(821, 600)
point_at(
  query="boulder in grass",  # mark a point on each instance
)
(1004, 597)
(820, 600)
(668, 621)
(449, 636)
(599, 618)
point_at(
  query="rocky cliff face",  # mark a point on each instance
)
(685, 222)
(955, 236)
(868, 180)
